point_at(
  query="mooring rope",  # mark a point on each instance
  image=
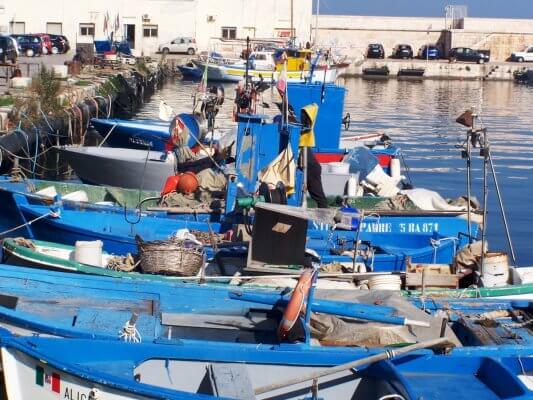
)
(50, 214)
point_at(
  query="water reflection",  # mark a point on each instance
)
(420, 117)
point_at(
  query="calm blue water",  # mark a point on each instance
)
(420, 118)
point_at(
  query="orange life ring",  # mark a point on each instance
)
(296, 303)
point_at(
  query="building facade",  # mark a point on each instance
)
(147, 23)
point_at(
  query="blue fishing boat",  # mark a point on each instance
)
(36, 367)
(141, 134)
(189, 71)
(168, 319)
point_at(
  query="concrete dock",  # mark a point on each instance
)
(442, 69)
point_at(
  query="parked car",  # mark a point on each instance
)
(402, 51)
(179, 45)
(521, 56)
(60, 44)
(429, 52)
(467, 54)
(375, 50)
(8, 51)
(29, 45)
(48, 46)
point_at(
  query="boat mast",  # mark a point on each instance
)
(292, 22)
(316, 21)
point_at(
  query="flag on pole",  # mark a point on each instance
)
(281, 85)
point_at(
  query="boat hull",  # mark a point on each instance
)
(126, 168)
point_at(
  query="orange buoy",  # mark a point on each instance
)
(188, 183)
(296, 303)
(171, 184)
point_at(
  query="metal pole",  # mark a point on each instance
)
(391, 353)
(356, 243)
(469, 183)
(502, 209)
(292, 22)
(247, 63)
(485, 198)
(304, 199)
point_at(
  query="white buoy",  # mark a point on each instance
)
(395, 168)
(353, 185)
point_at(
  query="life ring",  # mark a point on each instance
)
(296, 303)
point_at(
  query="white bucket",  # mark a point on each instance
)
(338, 168)
(89, 253)
(495, 269)
(385, 282)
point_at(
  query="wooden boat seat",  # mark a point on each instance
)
(253, 322)
(231, 381)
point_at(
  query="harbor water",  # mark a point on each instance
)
(420, 118)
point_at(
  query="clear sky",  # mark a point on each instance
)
(428, 8)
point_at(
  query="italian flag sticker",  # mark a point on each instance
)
(51, 381)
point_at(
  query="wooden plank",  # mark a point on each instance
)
(432, 280)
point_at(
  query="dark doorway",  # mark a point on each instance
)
(129, 30)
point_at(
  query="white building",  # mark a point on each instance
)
(146, 23)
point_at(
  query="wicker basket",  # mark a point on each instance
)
(169, 257)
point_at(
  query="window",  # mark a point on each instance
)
(54, 28)
(86, 29)
(150, 31)
(530, 50)
(18, 28)
(229, 32)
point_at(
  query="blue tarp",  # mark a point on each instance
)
(361, 160)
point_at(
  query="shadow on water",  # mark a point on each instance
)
(420, 117)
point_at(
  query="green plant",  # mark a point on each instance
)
(47, 88)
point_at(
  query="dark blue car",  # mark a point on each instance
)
(29, 45)
(429, 52)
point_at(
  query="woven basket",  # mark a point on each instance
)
(169, 257)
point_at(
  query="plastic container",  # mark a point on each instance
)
(338, 168)
(89, 253)
(495, 269)
(385, 282)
